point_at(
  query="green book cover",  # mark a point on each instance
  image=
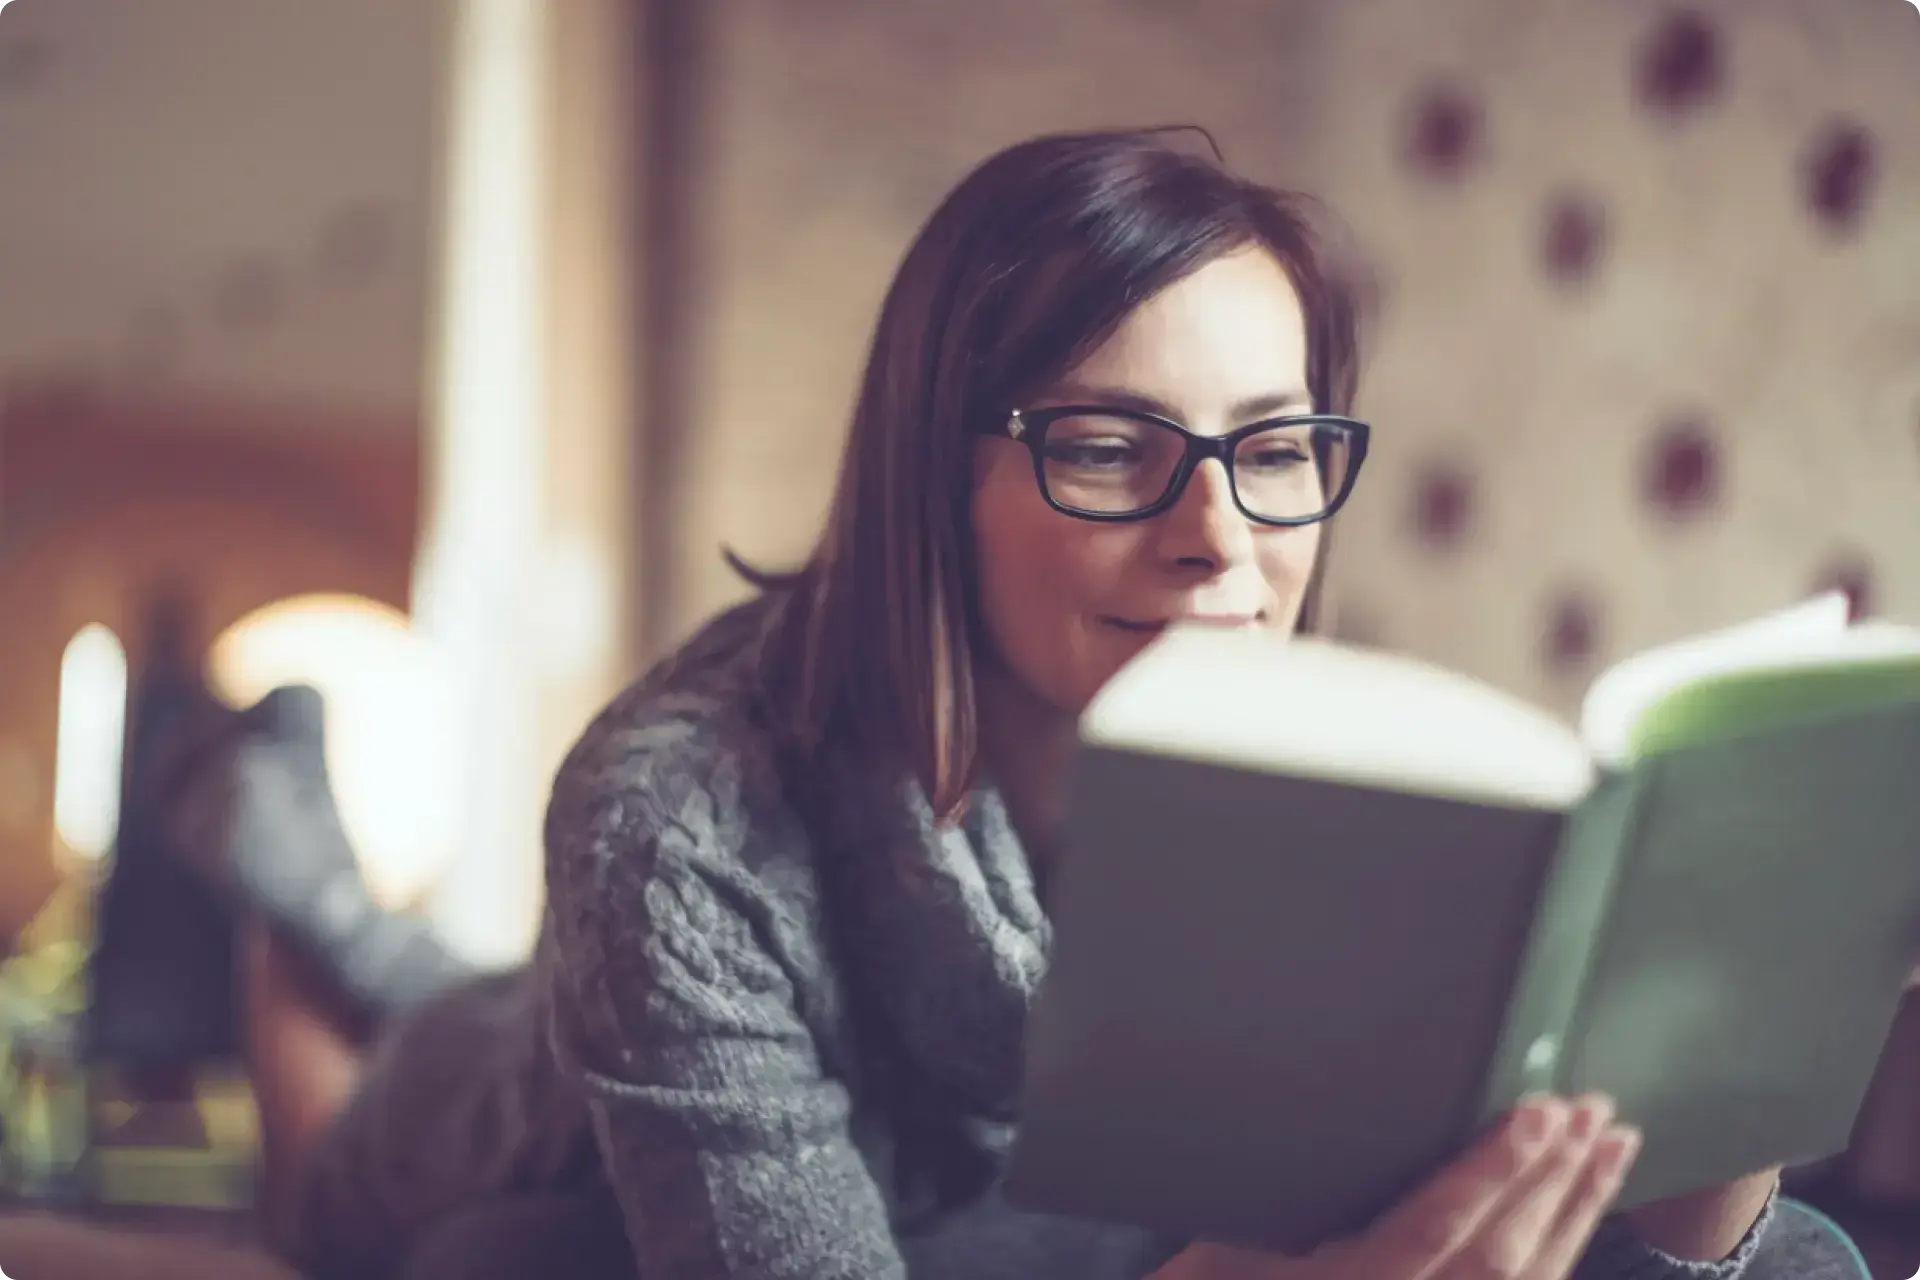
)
(1324, 915)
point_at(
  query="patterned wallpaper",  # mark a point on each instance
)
(1644, 303)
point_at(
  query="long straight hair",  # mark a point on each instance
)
(1024, 269)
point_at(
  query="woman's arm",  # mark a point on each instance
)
(1705, 1226)
(1730, 1232)
(727, 1142)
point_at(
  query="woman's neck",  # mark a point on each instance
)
(1027, 745)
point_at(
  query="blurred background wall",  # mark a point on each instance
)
(1644, 336)
(216, 228)
(502, 316)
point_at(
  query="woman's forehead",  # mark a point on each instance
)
(1231, 332)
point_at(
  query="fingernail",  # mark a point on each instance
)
(1591, 1117)
(1623, 1144)
(1536, 1121)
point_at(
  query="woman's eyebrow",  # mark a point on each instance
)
(1249, 410)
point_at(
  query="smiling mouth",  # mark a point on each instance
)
(1152, 627)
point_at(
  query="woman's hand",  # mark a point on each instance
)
(1521, 1205)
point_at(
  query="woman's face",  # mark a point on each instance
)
(1067, 602)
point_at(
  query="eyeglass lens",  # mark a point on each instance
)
(1116, 466)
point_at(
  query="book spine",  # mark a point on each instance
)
(1560, 950)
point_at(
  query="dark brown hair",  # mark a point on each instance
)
(1025, 268)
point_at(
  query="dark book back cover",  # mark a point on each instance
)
(1273, 1000)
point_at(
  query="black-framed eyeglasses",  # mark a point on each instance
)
(1095, 462)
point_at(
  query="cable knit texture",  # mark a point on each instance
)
(794, 1044)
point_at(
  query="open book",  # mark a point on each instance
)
(1324, 914)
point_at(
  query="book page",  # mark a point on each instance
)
(1312, 708)
(1874, 669)
(1624, 693)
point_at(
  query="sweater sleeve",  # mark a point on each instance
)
(1781, 1245)
(677, 1012)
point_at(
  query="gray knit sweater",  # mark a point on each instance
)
(788, 1049)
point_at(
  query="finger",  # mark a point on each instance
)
(1419, 1235)
(1514, 1233)
(1599, 1183)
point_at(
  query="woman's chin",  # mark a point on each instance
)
(1116, 650)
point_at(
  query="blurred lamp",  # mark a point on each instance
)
(92, 723)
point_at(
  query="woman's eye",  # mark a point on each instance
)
(1091, 453)
(1274, 457)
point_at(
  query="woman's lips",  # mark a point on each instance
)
(1154, 626)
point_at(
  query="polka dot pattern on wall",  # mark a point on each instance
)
(1627, 245)
(1679, 67)
(1443, 501)
(1570, 638)
(1447, 132)
(1682, 471)
(1574, 238)
(1839, 176)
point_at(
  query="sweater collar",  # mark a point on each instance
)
(947, 933)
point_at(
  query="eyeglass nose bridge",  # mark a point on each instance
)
(1204, 448)
(1201, 449)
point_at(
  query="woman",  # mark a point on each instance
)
(796, 874)
(793, 874)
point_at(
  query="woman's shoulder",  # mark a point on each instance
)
(679, 880)
(681, 765)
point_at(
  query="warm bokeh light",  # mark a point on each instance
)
(93, 717)
(390, 725)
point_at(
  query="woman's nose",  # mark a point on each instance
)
(1206, 527)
